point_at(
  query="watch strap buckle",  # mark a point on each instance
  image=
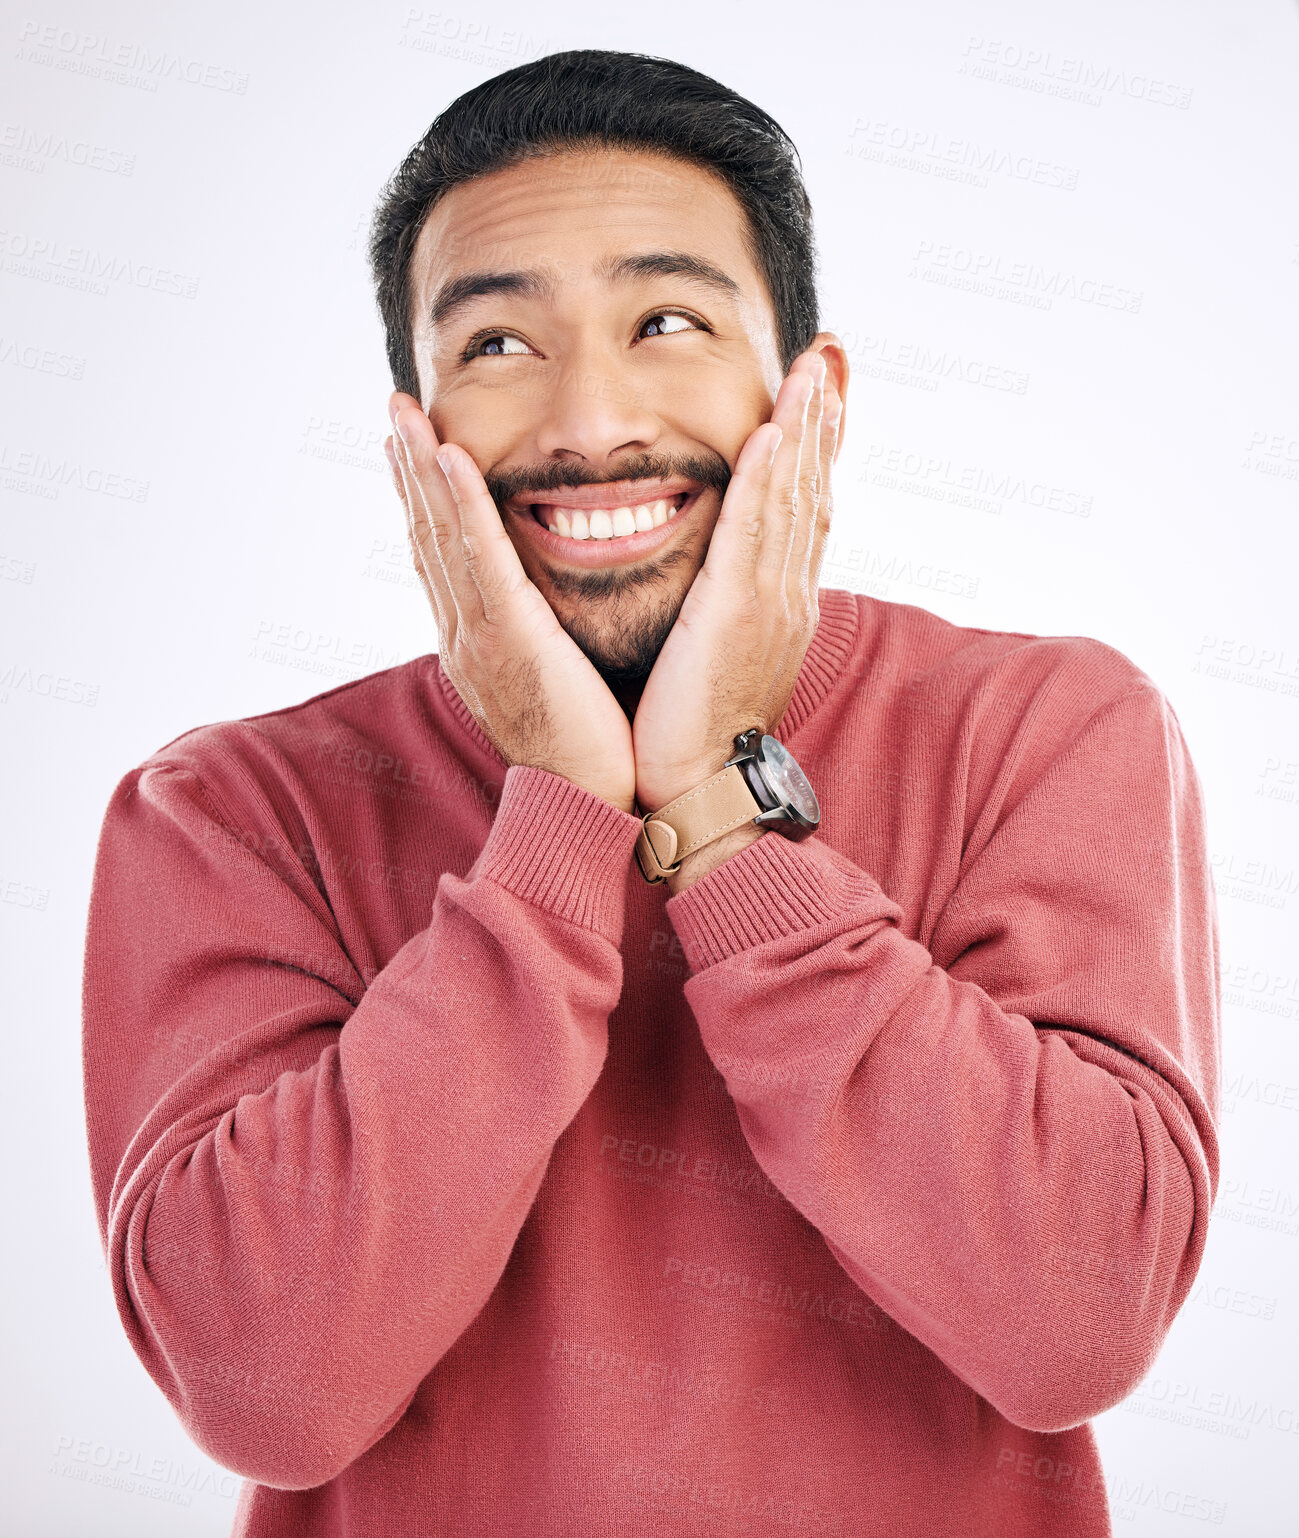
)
(724, 801)
(657, 861)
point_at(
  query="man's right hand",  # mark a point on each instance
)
(529, 686)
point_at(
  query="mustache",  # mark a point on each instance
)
(706, 469)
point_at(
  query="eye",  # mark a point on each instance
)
(661, 327)
(494, 344)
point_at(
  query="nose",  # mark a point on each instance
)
(594, 411)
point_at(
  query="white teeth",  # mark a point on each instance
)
(610, 523)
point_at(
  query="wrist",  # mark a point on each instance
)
(697, 865)
(760, 788)
(624, 798)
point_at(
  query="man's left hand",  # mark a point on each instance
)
(731, 659)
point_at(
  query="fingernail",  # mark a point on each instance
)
(401, 430)
(775, 442)
(444, 458)
(818, 370)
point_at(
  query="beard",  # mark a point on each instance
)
(619, 617)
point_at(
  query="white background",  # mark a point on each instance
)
(199, 523)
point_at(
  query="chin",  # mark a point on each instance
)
(623, 634)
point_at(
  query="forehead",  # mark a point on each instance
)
(566, 212)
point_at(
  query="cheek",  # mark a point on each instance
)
(720, 412)
(486, 423)
(716, 407)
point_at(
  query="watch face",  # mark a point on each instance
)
(787, 780)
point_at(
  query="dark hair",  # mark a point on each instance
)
(592, 97)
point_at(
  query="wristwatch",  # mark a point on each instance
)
(761, 783)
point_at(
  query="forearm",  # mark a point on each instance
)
(336, 1232)
(308, 1219)
(1029, 1202)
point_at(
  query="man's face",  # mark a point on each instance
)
(597, 397)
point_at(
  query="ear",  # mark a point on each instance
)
(836, 372)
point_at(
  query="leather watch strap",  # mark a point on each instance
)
(693, 820)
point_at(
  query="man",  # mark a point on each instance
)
(704, 1053)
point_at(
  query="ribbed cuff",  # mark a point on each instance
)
(772, 888)
(561, 847)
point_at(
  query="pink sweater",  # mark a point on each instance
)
(455, 1181)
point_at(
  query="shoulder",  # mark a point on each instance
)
(999, 707)
(1005, 675)
(268, 766)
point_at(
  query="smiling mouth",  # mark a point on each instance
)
(607, 522)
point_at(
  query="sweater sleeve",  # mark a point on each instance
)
(307, 1187)
(1007, 1139)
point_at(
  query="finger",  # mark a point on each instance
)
(486, 552)
(790, 411)
(397, 400)
(427, 568)
(737, 538)
(814, 519)
(423, 543)
(810, 471)
(391, 450)
(831, 421)
(436, 512)
(429, 564)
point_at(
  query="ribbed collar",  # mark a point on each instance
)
(830, 648)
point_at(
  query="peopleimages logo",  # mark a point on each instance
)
(134, 64)
(41, 360)
(919, 473)
(1072, 79)
(29, 149)
(951, 158)
(921, 366)
(469, 39)
(120, 1468)
(989, 272)
(1242, 1412)
(81, 267)
(45, 475)
(50, 686)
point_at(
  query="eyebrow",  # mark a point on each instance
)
(455, 293)
(669, 264)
